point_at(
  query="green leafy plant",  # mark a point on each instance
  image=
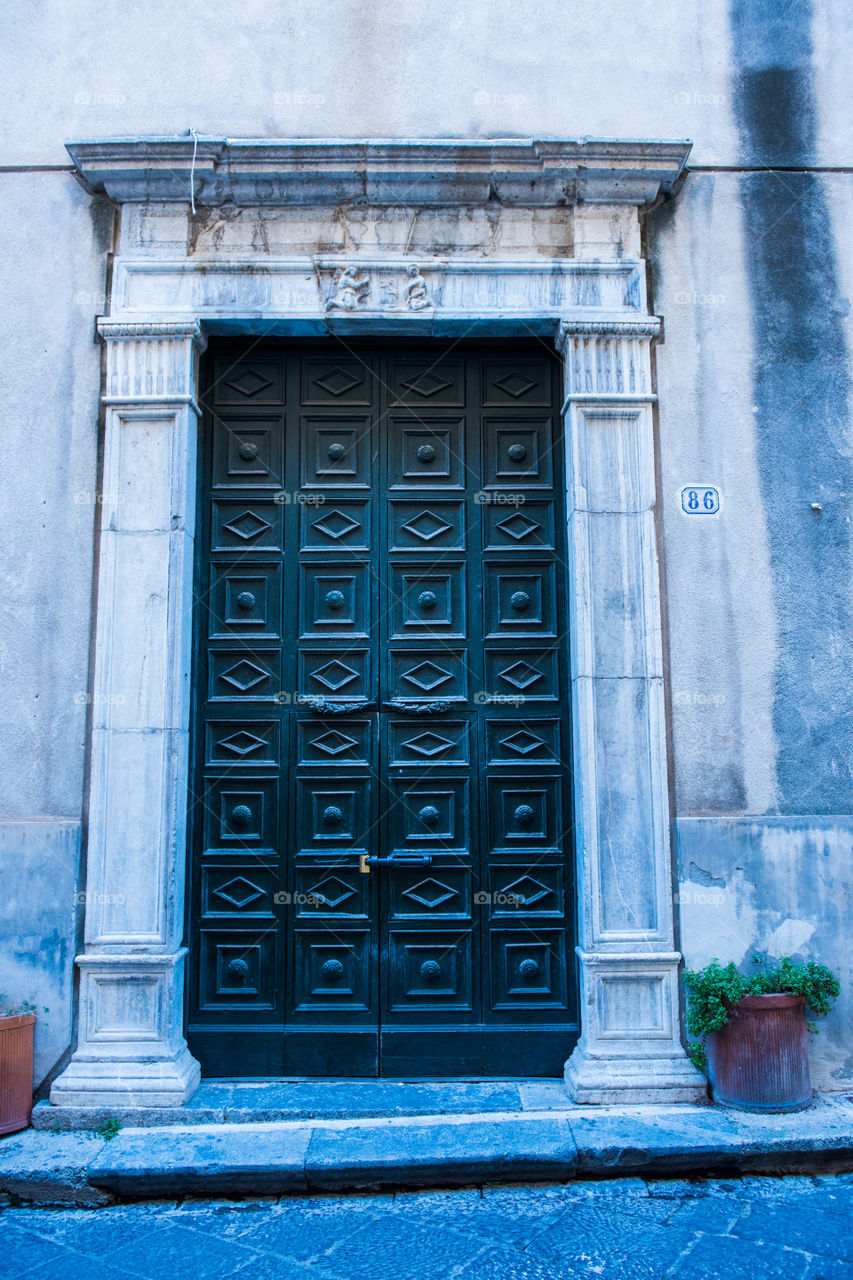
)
(16, 1009)
(109, 1128)
(713, 993)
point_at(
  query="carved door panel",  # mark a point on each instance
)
(381, 879)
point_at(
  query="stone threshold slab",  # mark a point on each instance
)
(298, 1156)
(270, 1101)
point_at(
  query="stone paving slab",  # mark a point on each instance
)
(752, 1228)
(479, 1147)
(268, 1101)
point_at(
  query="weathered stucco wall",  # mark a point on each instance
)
(749, 267)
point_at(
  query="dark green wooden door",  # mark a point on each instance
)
(381, 877)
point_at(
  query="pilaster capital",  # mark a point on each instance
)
(151, 362)
(607, 359)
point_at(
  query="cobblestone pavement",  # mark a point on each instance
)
(798, 1228)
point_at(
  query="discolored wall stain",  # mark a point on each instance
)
(801, 397)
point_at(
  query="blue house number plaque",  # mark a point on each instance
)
(700, 500)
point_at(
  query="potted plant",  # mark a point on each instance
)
(752, 1031)
(16, 1064)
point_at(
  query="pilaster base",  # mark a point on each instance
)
(130, 1050)
(600, 1081)
(128, 1084)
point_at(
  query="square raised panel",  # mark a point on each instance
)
(430, 892)
(430, 969)
(428, 601)
(519, 889)
(247, 452)
(333, 815)
(331, 970)
(527, 816)
(336, 452)
(340, 891)
(241, 813)
(528, 968)
(519, 452)
(237, 972)
(426, 455)
(245, 599)
(429, 815)
(521, 600)
(238, 890)
(333, 599)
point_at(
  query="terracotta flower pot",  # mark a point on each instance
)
(759, 1060)
(16, 1072)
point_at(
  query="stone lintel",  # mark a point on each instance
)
(428, 172)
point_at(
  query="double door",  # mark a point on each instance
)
(381, 873)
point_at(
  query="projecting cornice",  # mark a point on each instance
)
(452, 172)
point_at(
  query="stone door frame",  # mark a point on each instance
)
(164, 303)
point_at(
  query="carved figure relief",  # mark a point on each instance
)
(417, 294)
(349, 290)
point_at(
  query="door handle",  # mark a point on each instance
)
(435, 708)
(402, 860)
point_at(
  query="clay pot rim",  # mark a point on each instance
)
(772, 1000)
(10, 1020)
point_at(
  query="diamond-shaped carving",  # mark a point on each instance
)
(335, 675)
(427, 676)
(515, 384)
(248, 526)
(426, 384)
(427, 526)
(335, 524)
(332, 891)
(430, 893)
(242, 743)
(333, 742)
(527, 890)
(239, 892)
(244, 675)
(522, 675)
(337, 381)
(428, 744)
(522, 742)
(518, 526)
(249, 383)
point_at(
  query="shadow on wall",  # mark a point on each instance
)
(802, 393)
(780, 886)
